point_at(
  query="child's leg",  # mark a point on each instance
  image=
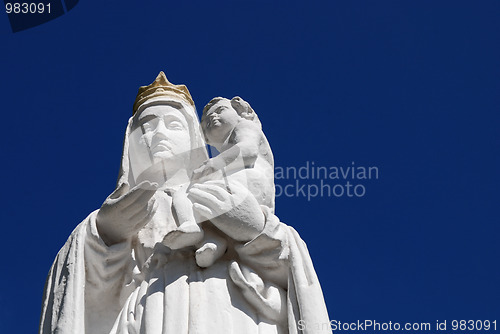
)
(212, 247)
(188, 233)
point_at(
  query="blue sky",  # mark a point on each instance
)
(408, 87)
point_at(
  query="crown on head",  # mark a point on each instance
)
(162, 87)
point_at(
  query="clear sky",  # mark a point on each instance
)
(409, 87)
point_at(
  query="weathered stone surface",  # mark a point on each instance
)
(186, 244)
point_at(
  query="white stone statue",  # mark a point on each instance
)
(186, 244)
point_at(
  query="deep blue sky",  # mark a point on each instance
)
(409, 87)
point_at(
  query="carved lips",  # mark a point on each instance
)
(161, 146)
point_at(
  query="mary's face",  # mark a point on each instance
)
(160, 135)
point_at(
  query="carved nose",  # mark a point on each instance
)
(161, 129)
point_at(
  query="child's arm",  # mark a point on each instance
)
(247, 137)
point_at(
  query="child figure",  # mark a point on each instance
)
(233, 128)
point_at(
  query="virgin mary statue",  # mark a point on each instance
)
(115, 275)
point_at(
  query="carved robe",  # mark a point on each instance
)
(142, 287)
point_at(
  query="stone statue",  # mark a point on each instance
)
(186, 244)
(234, 129)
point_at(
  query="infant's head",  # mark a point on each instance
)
(221, 115)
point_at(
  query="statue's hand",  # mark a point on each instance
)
(126, 211)
(235, 212)
(268, 298)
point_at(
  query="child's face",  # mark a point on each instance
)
(218, 121)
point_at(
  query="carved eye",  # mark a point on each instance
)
(146, 127)
(175, 125)
(220, 109)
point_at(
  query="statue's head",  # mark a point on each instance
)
(163, 134)
(221, 115)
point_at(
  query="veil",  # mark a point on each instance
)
(197, 154)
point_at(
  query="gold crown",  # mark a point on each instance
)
(162, 87)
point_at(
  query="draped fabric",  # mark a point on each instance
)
(140, 286)
(171, 294)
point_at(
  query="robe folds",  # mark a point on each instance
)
(93, 288)
(139, 286)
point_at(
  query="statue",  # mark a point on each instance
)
(186, 244)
